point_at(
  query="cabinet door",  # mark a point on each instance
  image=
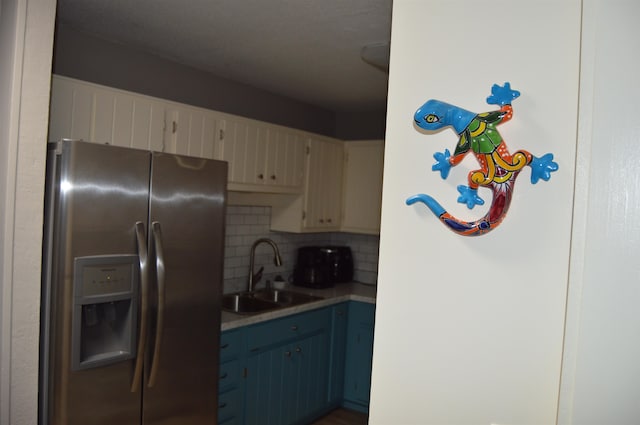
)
(262, 157)
(339, 316)
(191, 131)
(310, 358)
(288, 383)
(267, 382)
(357, 381)
(362, 186)
(324, 184)
(284, 159)
(237, 144)
(99, 114)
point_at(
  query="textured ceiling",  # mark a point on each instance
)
(308, 50)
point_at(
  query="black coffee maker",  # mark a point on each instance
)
(323, 266)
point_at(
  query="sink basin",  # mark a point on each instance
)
(283, 298)
(244, 303)
(264, 300)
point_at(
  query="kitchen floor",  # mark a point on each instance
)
(343, 417)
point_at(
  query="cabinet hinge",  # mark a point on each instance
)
(221, 137)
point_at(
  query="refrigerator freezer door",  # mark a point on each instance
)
(97, 194)
(187, 212)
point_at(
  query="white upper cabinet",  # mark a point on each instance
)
(362, 186)
(318, 208)
(191, 131)
(320, 191)
(98, 114)
(285, 156)
(324, 183)
(262, 157)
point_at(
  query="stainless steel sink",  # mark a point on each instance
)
(264, 300)
(245, 303)
(285, 298)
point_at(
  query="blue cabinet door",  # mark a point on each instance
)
(339, 317)
(266, 386)
(309, 378)
(287, 383)
(357, 378)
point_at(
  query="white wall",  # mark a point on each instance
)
(26, 40)
(601, 370)
(470, 330)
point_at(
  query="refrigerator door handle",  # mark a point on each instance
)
(144, 304)
(160, 273)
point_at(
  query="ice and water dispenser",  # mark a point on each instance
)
(105, 303)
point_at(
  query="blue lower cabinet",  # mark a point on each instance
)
(359, 355)
(292, 370)
(230, 378)
(287, 380)
(230, 407)
(337, 353)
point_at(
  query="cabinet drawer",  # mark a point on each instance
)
(230, 374)
(229, 406)
(281, 330)
(230, 345)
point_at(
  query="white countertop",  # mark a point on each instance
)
(353, 291)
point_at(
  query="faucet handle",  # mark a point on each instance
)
(257, 276)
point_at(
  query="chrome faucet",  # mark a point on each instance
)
(255, 278)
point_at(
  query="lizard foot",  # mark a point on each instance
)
(541, 168)
(443, 165)
(502, 95)
(469, 196)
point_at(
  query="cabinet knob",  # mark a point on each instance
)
(294, 328)
(328, 220)
(222, 405)
(287, 353)
(261, 176)
(298, 350)
(321, 220)
(273, 176)
(223, 376)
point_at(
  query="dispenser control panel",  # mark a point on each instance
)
(103, 279)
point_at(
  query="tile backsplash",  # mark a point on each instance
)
(245, 224)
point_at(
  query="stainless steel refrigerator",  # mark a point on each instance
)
(132, 282)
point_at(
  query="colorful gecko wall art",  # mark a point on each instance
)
(498, 168)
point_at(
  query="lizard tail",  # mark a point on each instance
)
(497, 212)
